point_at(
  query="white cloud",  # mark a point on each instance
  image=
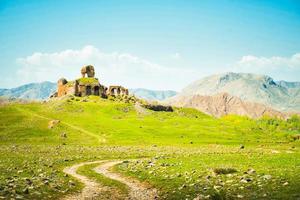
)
(278, 67)
(111, 68)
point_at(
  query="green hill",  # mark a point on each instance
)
(185, 147)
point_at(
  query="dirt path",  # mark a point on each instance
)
(137, 190)
(101, 139)
(91, 189)
(94, 190)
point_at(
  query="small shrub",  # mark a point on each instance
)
(224, 170)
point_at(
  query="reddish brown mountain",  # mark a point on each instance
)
(224, 104)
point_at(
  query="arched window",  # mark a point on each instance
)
(88, 90)
(96, 90)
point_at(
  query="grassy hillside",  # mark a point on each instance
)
(183, 149)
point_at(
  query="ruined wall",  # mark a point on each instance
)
(64, 88)
(86, 86)
(117, 90)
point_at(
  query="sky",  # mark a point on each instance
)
(154, 44)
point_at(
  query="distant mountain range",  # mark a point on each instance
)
(153, 94)
(240, 93)
(41, 91)
(36, 91)
(230, 93)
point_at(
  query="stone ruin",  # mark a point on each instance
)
(117, 90)
(86, 86)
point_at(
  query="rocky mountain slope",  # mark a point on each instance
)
(152, 94)
(223, 104)
(282, 95)
(36, 91)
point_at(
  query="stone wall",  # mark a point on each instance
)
(117, 90)
(64, 88)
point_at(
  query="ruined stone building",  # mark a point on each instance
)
(86, 86)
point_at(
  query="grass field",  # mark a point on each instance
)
(188, 154)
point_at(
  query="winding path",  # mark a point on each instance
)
(137, 190)
(91, 188)
(94, 190)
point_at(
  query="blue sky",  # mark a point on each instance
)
(152, 44)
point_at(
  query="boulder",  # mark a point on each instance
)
(52, 123)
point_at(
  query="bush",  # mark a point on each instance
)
(224, 170)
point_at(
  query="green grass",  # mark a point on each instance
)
(193, 172)
(185, 147)
(87, 80)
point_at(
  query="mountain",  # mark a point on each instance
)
(281, 95)
(38, 91)
(152, 94)
(223, 104)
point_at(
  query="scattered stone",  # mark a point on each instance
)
(240, 196)
(199, 197)
(28, 181)
(52, 123)
(26, 190)
(244, 181)
(285, 184)
(18, 197)
(63, 135)
(251, 171)
(217, 187)
(71, 183)
(267, 177)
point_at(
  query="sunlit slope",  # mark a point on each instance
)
(104, 122)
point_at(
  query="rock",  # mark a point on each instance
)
(53, 123)
(28, 181)
(88, 70)
(199, 197)
(240, 196)
(267, 177)
(71, 183)
(217, 187)
(18, 197)
(63, 135)
(26, 190)
(251, 171)
(285, 184)
(244, 181)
